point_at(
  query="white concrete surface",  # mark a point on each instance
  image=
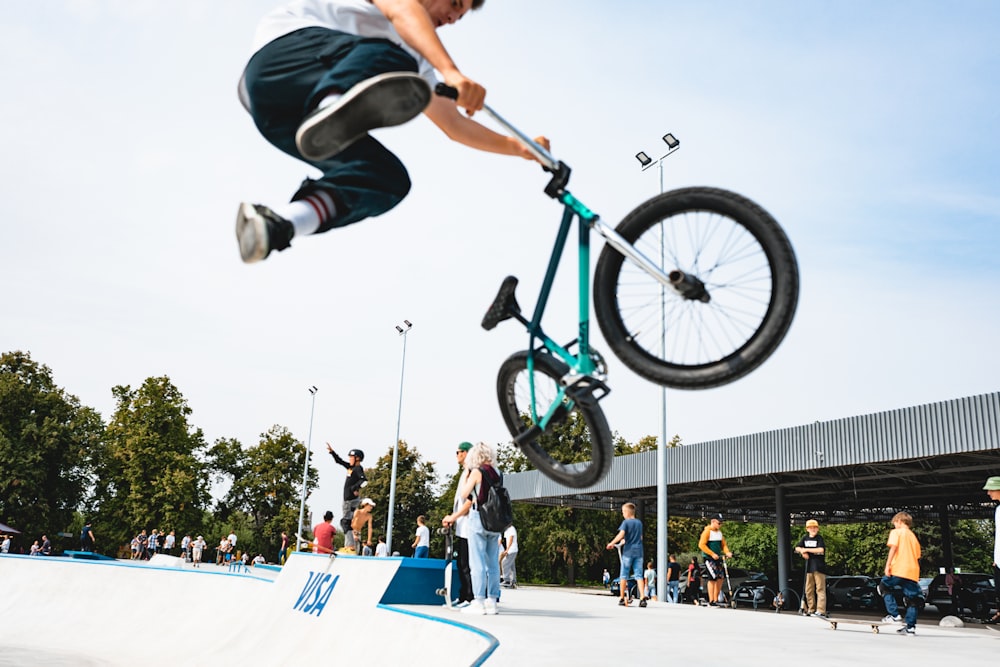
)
(60, 611)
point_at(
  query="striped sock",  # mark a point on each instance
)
(306, 215)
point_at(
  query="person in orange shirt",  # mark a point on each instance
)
(902, 570)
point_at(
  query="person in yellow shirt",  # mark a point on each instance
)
(902, 570)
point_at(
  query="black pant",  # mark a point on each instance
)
(284, 82)
(464, 571)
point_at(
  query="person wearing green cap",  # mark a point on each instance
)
(459, 523)
(992, 489)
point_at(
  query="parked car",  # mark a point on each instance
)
(968, 593)
(925, 585)
(614, 587)
(839, 588)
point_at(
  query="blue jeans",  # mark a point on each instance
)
(284, 81)
(911, 589)
(674, 591)
(484, 559)
(421, 552)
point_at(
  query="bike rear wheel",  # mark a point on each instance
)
(740, 278)
(557, 458)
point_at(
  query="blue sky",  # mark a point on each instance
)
(867, 129)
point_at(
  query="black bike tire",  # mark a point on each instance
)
(767, 335)
(573, 475)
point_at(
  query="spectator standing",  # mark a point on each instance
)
(232, 542)
(168, 543)
(46, 548)
(35, 549)
(992, 489)
(606, 578)
(283, 549)
(508, 557)
(484, 545)
(197, 549)
(5, 545)
(324, 532)
(382, 549)
(86, 538)
(650, 576)
(813, 550)
(461, 507)
(692, 593)
(713, 546)
(355, 481)
(153, 544)
(186, 548)
(422, 542)
(630, 537)
(673, 580)
(902, 569)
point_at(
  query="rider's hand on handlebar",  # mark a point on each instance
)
(470, 94)
(523, 151)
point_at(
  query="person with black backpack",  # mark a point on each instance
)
(490, 503)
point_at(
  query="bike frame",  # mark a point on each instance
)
(583, 369)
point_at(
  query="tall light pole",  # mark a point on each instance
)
(661, 447)
(402, 331)
(305, 468)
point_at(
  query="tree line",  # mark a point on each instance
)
(148, 466)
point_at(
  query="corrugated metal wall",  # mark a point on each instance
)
(961, 425)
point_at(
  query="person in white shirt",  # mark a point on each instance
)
(508, 557)
(992, 489)
(382, 549)
(422, 542)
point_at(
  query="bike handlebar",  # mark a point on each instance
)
(548, 162)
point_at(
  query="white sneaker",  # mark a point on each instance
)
(475, 607)
(491, 607)
(893, 619)
(460, 605)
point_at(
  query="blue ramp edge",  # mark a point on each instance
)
(493, 641)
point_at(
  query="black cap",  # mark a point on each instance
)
(357, 452)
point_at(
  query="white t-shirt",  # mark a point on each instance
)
(462, 522)
(355, 17)
(232, 539)
(423, 536)
(381, 550)
(996, 537)
(507, 534)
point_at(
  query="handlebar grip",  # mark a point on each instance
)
(444, 90)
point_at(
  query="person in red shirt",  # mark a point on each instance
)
(324, 532)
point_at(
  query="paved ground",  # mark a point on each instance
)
(553, 626)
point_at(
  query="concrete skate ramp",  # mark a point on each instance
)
(64, 611)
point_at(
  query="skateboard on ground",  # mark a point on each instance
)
(875, 624)
(448, 549)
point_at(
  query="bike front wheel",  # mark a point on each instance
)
(737, 287)
(578, 456)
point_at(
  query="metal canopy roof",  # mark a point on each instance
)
(923, 459)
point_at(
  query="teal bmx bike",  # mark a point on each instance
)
(695, 288)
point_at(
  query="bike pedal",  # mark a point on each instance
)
(504, 306)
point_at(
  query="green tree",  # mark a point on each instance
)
(265, 488)
(151, 474)
(415, 495)
(48, 442)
